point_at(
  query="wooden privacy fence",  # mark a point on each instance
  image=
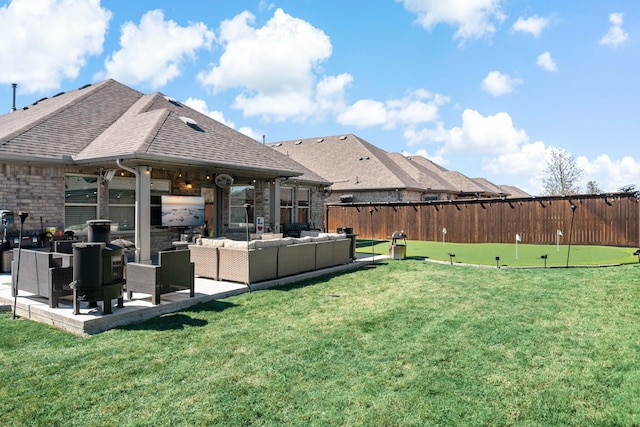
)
(604, 219)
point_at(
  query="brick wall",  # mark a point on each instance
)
(37, 190)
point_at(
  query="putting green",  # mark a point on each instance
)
(509, 254)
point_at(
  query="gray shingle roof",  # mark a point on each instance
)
(351, 163)
(108, 120)
(429, 179)
(513, 191)
(490, 189)
(460, 182)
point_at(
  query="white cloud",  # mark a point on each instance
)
(364, 113)
(530, 159)
(616, 36)
(330, 94)
(478, 134)
(546, 62)
(610, 174)
(419, 106)
(200, 105)
(533, 25)
(153, 52)
(473, 18)
(45, 42)
(439, 160)
(498, 84)
(276, 66)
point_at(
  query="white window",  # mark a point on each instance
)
(303, 204)
(80, 201)
(239, 196)
(286, 205)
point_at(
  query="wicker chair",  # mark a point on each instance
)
(46, 274)
(174, 272)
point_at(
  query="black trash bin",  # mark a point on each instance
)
(99, 230)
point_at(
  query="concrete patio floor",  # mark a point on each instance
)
(91, 321)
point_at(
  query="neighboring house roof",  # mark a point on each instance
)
(426, 163)
(490, 188)
(514, 192)
(351, 163)
(460, 182)
(105, 121)
(429, 179)
(464, 185)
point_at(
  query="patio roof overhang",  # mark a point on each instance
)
(157, 162)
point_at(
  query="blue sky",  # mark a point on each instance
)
(483, 87)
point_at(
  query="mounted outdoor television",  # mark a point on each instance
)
(182, 211)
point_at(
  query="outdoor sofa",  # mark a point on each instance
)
(47, 274)
(259, 260)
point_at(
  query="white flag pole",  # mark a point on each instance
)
(444, 233)
(517, 240)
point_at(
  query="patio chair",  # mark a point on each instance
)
(174, 272)
(42, 273)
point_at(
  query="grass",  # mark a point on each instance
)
(404, 343)
(527, 255)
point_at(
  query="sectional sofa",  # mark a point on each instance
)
(259, 260)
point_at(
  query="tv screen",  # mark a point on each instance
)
(182, 211)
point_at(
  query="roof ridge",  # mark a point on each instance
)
(137, 109)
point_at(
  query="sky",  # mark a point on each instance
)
(484, 87)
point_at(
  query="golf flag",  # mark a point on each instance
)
(517, 237)
(559, 232)
(444, 230)
(517, 240)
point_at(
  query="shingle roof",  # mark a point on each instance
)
(460, 182)
(513, 191)
(424, 162)
(491, 189)
(463, 184)
(351, 163)
(429, 179)
(108, 120)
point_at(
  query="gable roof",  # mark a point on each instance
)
(489, 188)
(102, 122)
(348, 161)
(514, 192)
(461, 183)
(430, 180)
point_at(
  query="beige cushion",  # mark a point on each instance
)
(305, 233)
(272, 243)
(235, 244)
(211, 243)
(286, 241)
(305, 239)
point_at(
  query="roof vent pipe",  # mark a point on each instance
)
(14, 86)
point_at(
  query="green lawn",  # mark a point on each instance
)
(403, 343)
(527, 255)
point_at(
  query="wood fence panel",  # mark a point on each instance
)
(612, 219)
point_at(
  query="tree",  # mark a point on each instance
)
(593, 187)
(563, 175)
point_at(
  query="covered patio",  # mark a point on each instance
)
(140, 308)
